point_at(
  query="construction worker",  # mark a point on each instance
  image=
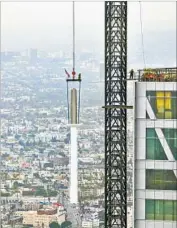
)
(79, 76)
(131, 74)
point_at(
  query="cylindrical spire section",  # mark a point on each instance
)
(74, 106)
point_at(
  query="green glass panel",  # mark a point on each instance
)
(175, 210)
(154, 149)
(151, 133)
(170, 133)
(150, 93)
(171, 138)
(161, 210)
(169, 210)
(161, 180)
(174, 107)
(150, 207)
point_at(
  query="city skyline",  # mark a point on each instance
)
(47, 174)
(54, 25)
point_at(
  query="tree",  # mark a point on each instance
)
(54, 225)
(40, 192)
(52, 193)
(21, 203)
(15, 185)
(22, 143)
(4, 194)
(66, 224)
(17, 136)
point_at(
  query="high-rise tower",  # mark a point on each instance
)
(155, 179)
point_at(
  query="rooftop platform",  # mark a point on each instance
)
(157, 75)
(73, 80)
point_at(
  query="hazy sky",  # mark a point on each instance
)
(48, 25)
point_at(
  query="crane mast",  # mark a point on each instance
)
(115, 114)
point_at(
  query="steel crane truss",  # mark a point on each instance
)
(115, 114)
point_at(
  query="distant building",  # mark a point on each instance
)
(9, 55)
(41, 218)
(90, 224)
(155, 194)
(102, 72)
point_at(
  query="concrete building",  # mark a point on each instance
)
(90, 224)
(41, 218)
(155, 176)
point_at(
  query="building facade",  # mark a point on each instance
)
(36, 219)
(155, 161)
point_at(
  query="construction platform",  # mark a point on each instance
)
(73, 80)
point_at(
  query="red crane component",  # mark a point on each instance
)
(73, 74)
(67, 73)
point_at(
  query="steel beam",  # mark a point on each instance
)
(116, 116)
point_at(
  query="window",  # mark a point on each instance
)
(154, 149)
(149, 210)
(163, 103)
(161, 180)
(161, 210)
(171, 137)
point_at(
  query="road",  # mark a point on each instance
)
(73, 213)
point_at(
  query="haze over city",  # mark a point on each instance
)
(48, 26)
(52, 120)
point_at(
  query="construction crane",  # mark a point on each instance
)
(116, 114)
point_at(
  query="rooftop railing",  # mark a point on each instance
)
(157, 74)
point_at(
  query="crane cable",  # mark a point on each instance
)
(142, 36)
(79, 100)
(73, 38)
(73, 70)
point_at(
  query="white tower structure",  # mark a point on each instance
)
(73, 150)
(73, 119)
